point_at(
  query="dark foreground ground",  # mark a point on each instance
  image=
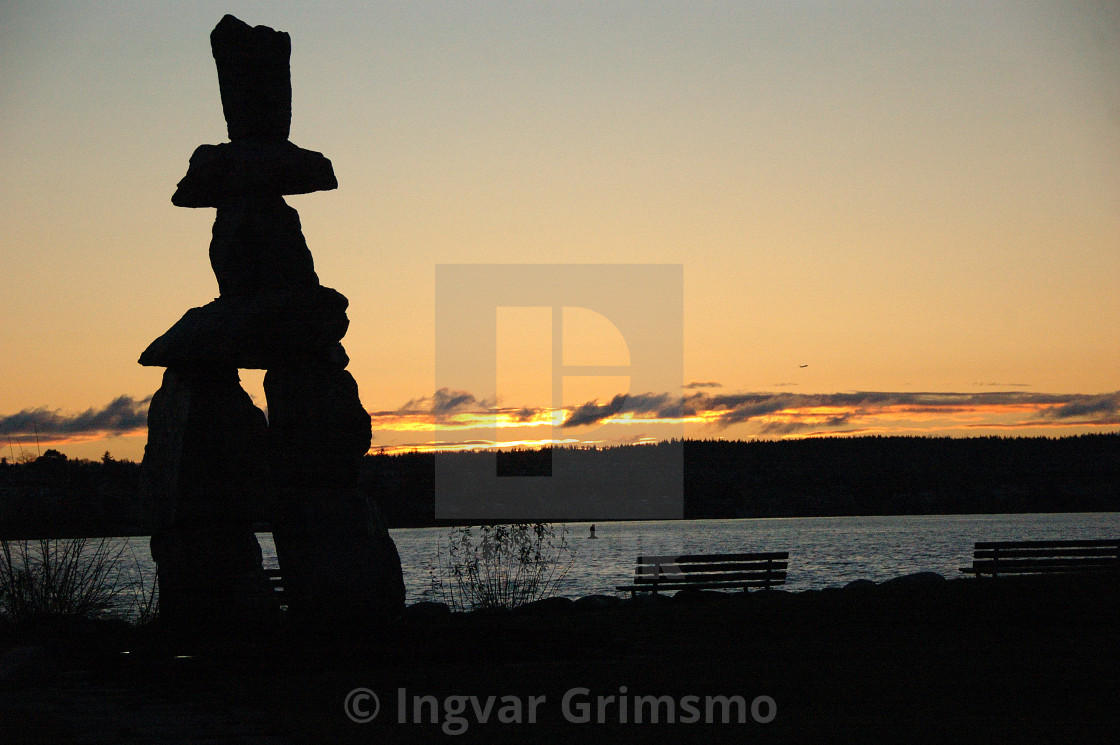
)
(938, 662)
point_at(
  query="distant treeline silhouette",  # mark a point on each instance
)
(828, 476)
(54, 496)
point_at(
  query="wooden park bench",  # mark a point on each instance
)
(709, 572)
(992, 558)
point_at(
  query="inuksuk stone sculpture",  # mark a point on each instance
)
(210, 452)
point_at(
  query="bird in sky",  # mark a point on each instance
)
(803, 365)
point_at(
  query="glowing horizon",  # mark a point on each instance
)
(864, 197)
(452, 420)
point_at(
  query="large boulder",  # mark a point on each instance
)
(254, 74)
(204, 473)
(342, 572)
(318, 427)
(219, 174)
(26, 667)
(259, 331)
(257, 245)
(340, 564)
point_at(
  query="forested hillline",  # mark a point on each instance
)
(55, 496)
(825, 476)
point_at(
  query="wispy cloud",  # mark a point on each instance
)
(1104, 409)
(122, 415)
(444, 403)
(641, 406)
(785, 414)
(697, 384)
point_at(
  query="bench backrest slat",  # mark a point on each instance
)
(1046, 563)
(738, 584)
(1027, 553)
(744, 566)
(689, 579)
(695, 558)
(1048, 544)
(1045, 557)
(715, 571)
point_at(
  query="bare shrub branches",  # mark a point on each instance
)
(78, 578)
(501, 566)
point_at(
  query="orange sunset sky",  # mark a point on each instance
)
(891, 218)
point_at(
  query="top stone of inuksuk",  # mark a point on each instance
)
(255, 81)
(210, 454)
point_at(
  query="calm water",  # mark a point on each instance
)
(824, 551)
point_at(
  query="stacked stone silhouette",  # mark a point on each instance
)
(211, 455)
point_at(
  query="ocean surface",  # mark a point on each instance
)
(824, 551)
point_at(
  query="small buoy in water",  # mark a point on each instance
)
(592, 533)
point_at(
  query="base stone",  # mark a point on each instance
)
(203, 474)
(342, 572)
(341, 568)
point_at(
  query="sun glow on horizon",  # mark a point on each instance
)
(450, 421)
(763, 416)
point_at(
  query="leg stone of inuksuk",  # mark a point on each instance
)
(204, 465)
(337, 555)
(206, 446)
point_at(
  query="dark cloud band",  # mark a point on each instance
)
(838, 409)
(122, 414)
